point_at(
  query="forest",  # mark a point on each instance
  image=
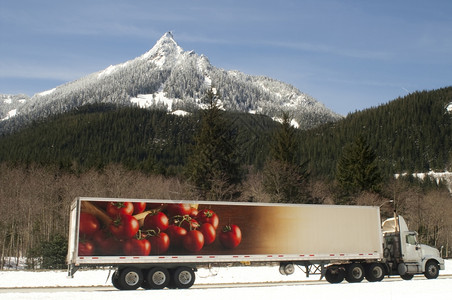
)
(108, 151)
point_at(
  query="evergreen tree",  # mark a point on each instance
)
(285, 179)
(357, 168)
(54, 253)
(213, 166)
(285, 144)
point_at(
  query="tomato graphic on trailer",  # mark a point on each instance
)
(157, 221)
(230, 236)
(124, 228)
(89, 225)
(208, 216)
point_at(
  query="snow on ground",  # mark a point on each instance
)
(180, 113)
(415, 289)
(148, 100)
(444, 177)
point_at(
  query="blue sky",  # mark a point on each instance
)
(349, 55)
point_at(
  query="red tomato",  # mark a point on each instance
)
(106, 243)
(230, 236)
(119, 208)
(137, 247)
(208, 231)
(189, 223)
(193, 241)
(160, 243)
(88, 224)
(138, 207)
(156, 221)
(208, 216)
(124, 226)
(178, 209)
(176, 235)
(85, 248)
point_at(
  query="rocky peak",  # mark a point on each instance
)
(166, 49)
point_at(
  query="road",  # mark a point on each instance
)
(196, 286)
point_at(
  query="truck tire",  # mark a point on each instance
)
(183, 278)
(334, 274)
(157, 278)
(407, 276)
(354, 273)
(129, 278)
(375, 272)
(431, 270)
(115, 280)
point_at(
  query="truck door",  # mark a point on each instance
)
(412, 249)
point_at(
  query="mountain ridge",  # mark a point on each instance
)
(171, 78)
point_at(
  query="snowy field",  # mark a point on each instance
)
(418, 288)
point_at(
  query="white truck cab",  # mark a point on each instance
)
(404, 255)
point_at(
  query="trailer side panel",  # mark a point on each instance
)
(268, 233)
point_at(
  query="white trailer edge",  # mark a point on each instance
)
(161, 243)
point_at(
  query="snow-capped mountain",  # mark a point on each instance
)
(9, 104)
(169, 77)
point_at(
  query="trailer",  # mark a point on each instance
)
(156, 244)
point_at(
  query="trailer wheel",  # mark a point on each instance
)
(355, 273)
(375, 272)
(334, 274)
(431, 269)
(157, 278)
(183, 278)
(115, 280)
(130, 278)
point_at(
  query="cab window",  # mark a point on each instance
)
(411, 239)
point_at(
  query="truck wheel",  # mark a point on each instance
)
(130, 278)
(115, 280)
(183, 278)
(431, 269)
(334, 274)
(157, 278)
(354, 273)
(375, 272)
(407, 276)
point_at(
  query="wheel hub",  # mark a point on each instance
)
(131, 278)
(158, 278)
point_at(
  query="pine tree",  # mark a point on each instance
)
(357, 168)
(213, 166)
(54, 253)
(285, 143)
(285, 179)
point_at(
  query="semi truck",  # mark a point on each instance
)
(156, 244)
